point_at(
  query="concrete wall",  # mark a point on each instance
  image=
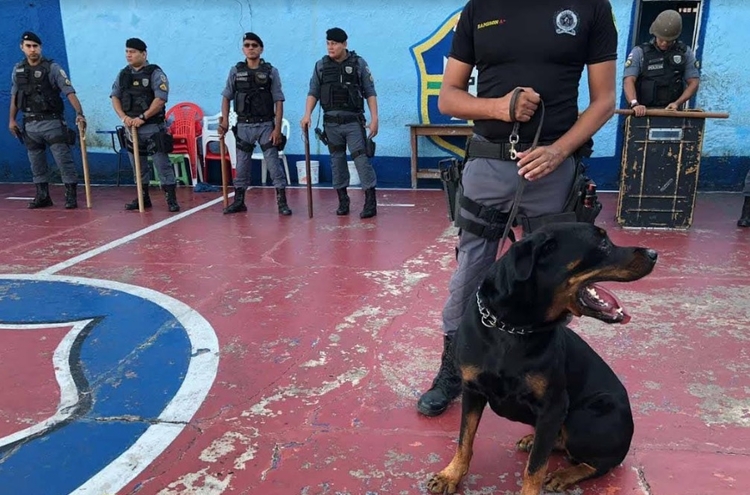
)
(197, 41)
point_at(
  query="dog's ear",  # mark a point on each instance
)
(526, 254)
(516, 266)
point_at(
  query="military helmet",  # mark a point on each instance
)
(667, 25)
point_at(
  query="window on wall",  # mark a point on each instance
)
(649, 9)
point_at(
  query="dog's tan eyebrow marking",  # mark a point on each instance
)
(538, 384)
(573, 264)
(470, 373)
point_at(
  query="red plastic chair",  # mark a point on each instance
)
(185, 121)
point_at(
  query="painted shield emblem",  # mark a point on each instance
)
(144, 81)
(99, 378)
(430, 57)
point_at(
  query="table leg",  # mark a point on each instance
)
(414, 155)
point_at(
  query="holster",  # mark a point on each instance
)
(321, 135)
(270, 144)
(161, 142)
(450, 175)
(72, 136)
(369, 147)
(242, 144)
(124, 142)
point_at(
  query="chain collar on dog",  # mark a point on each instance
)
(490, 321)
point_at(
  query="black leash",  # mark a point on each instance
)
(513, 139)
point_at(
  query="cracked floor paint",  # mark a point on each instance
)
(329, 330)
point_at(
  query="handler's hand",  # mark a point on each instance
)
(540, 161)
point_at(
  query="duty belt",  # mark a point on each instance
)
(497, 151)
(342, 119)
(31, 117)
(253, 120)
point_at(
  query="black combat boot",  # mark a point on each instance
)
(41, 199)
(371, 204)
(133, 205)
(281, 202)
(744, 220)
(170, 192)
(445, 387)
(343, 202)
(239, 201)
(71, 196)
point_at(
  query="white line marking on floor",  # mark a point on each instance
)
(119, 242)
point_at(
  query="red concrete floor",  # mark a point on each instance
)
(327, 330)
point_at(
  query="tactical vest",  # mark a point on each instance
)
(340, 86)
(253, 100)
(661, 80)
(36, 94)
(137, 93)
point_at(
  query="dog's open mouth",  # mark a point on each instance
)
(597, 302)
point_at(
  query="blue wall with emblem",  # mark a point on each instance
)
(197, 42)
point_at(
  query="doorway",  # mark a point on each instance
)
(649, 9)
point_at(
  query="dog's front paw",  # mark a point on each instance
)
(525, 444)
(442, 483)
(562, 479)
(556, 482)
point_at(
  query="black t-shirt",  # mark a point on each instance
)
(543, 45)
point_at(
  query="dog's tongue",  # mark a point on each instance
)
(600, 299)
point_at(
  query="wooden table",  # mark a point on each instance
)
(416, 130)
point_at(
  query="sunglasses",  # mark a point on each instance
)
(251, 45)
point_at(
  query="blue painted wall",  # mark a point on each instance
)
(196, 42)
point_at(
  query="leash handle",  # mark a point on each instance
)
(513, 139)
(521, 181)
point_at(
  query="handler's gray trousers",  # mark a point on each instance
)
(493, 183)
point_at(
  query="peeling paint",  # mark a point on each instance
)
(261, 408)
(719, 407)
(228, 443)
(200, 482)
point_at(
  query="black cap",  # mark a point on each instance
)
(136, 44)
(253, 37)
(336, 34)
(29, 36)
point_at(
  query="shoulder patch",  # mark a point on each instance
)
(62, 73)
(163, 87)
(697, 64)
(67, 82)
(628, 62)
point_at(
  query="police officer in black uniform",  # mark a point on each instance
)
(342, 81)
(37, 83)
(541, 48)
(139, 95)
(254, 86)
(655, 72)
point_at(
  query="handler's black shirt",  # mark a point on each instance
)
(541, 44)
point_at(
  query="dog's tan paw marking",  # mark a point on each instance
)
(562, 479)
(441, 483)
(525, 444)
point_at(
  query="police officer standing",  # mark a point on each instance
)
(655, 72)
(254, 86)
(139, 95)
(37, 83)
(342, 81)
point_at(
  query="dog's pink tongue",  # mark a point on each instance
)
(606, 302)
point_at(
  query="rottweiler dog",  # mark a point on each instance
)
(515, 351)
